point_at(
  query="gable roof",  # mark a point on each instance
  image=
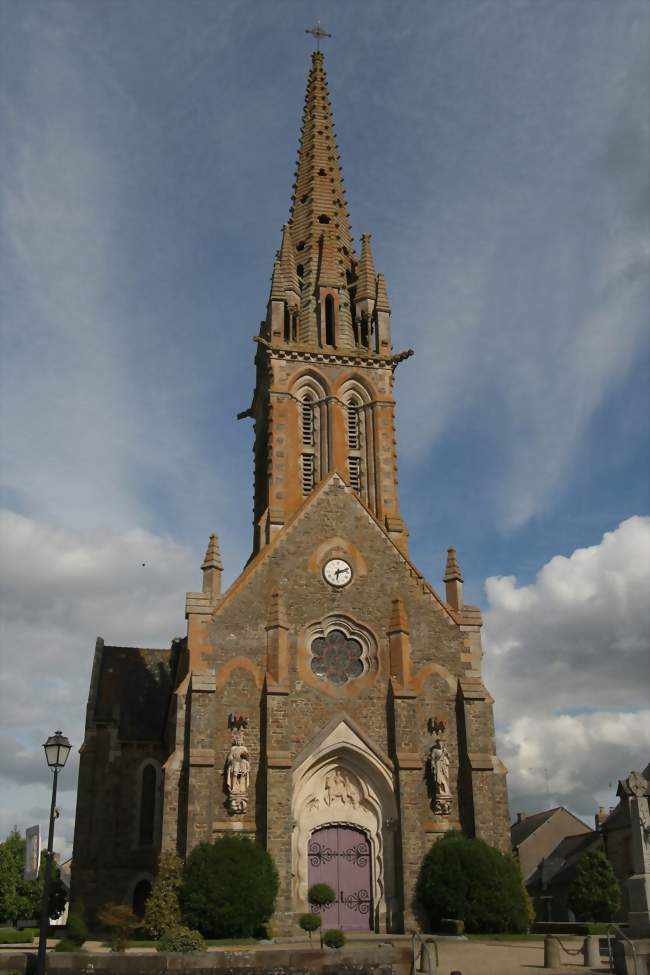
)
(133, 690)
(335, 480)
(520, 831)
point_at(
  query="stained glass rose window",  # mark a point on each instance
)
(336, 657)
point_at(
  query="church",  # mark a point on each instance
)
(329, 703)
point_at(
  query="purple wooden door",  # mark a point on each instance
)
(340, 856)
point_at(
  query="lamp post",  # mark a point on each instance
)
(57, 748)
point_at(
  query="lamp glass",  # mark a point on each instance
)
(57, 748)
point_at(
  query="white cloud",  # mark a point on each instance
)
(60, 590)
(568, 661)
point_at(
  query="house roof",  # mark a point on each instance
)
(560, 865)
(133, 690)
(520, 831)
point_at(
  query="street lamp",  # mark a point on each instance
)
(57, 748)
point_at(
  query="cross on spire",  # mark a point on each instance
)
(317, 32)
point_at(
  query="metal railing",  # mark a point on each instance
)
(624, 937)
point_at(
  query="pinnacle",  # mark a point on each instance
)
(366, 286)
(452, 569)
(288, 263)
(382, 294)
(212, 558)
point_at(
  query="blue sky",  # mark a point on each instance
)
(497, 152)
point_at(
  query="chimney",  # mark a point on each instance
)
(600, 816)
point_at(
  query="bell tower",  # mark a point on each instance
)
(323, 399)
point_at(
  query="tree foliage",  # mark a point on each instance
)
(21, 899)
(309, 922)
(594, 894)
(162, 910)
(467, 879)
(120, 921)
(181, 939)
(229, 887)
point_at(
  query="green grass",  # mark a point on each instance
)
(10, 936)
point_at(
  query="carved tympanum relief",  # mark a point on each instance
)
(337, 789)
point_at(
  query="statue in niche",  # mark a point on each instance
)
(237, 775)
(339, 788)
(439, 762)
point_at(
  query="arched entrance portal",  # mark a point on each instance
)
(340, 856)
(345, 818)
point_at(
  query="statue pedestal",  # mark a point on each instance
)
(638, 890)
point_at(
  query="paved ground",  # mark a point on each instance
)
(465, 957)
(503, 958)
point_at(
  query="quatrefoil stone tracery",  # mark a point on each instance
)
(336, 657)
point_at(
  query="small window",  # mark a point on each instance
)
(321, 172)
(323, 218)
(307, 473)
(300, 270)
(295, 326)
(329, 320)
(287, 324)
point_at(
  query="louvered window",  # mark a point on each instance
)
(354, 468)
(307, 422)
(307, 473)
(353, 425)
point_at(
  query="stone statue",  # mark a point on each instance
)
(440, 768)
(238, 774)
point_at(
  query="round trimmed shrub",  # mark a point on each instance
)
(334, 938)
(180, 939)
(309, 923)
(320, 895)
(469, 880)
(229, 887)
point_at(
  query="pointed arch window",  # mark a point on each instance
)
(309, 419)
(355, 442)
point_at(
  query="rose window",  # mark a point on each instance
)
(336, 657)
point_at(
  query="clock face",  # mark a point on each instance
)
(337, 572)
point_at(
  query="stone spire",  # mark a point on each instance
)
(453, 581)
(212, 567)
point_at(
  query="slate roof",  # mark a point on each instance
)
(562, 862)
(521, 831)
(135, 684)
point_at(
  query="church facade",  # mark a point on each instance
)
(330, 703)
